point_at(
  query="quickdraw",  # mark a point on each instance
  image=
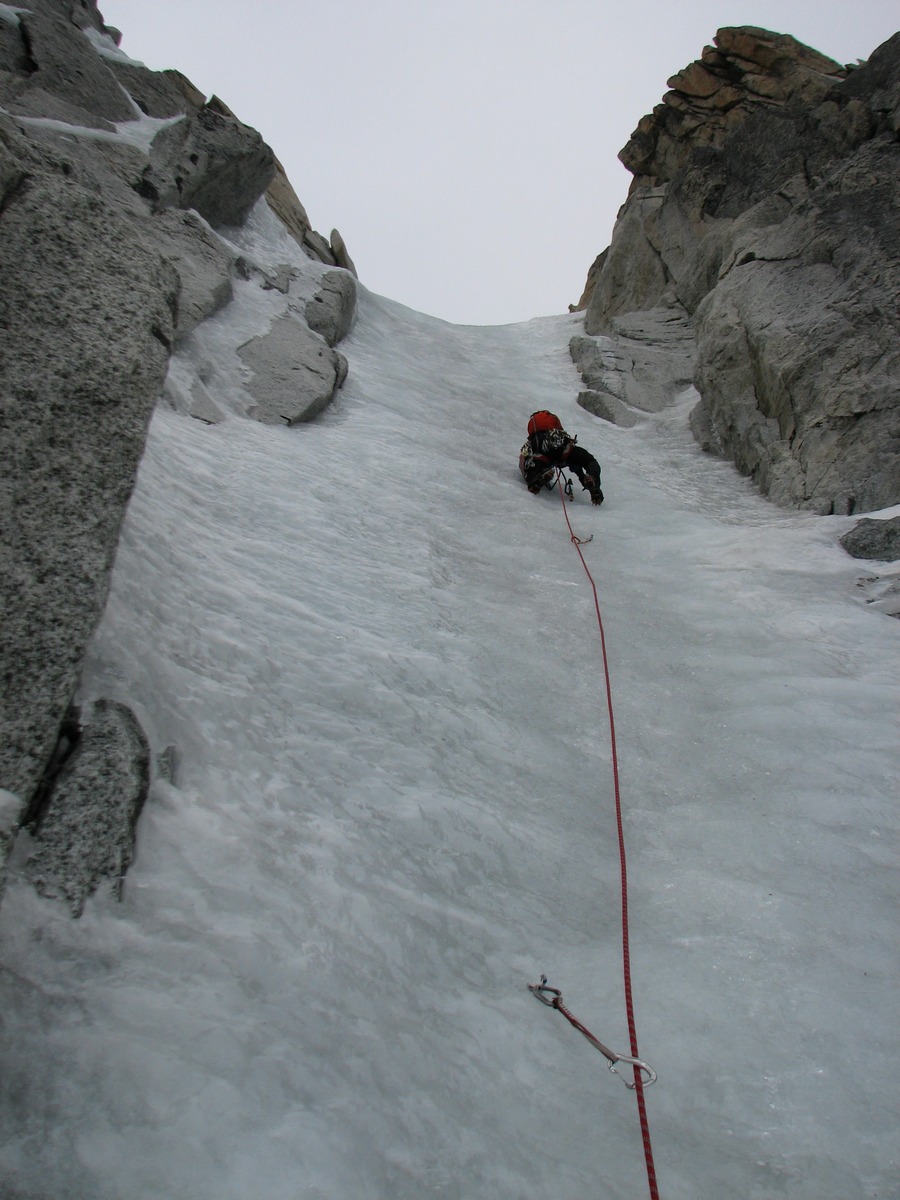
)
(552, 997)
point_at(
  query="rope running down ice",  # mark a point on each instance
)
(626, 950)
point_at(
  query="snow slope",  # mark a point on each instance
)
(378, 658)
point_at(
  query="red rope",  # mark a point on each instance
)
(626, 950)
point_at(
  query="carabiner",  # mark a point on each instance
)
(633, 1062)
(552, 997)
(538, 989)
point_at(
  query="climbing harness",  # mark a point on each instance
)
(552, 997)
(564, 482)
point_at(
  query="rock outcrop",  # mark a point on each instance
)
(766, 205)
(332, 310)
(286, 205)
(84, 816)
(645, 361)
(294, 369)
(113, 182)
(293, 373)
(88, 310)
(875, 539)
(208, 162)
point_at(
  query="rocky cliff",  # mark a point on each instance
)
(765, 208)
(114, 181)
(756, 255)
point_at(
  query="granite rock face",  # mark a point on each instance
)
(208, 162)
(87, 312)
(84, 818)
(113, 181)
(765, 203)
(875, 539)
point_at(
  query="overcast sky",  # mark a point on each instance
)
(465, 149)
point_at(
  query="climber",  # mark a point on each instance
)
(549, 448)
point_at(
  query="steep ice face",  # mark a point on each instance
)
(377, 658)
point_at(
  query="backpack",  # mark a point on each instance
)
(542, 421)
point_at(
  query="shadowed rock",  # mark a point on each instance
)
(87, 811)
(210, 162)
(878, 540)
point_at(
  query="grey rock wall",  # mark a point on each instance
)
(87, 314)
(644, 362)
(108, 256)
(48, 72)
(799, 344)
(765, 203)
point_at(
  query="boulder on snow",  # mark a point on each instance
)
(875, 539)
(84, 817)
(608, 407)
(341, 254)
(333, 308)
(294, 373)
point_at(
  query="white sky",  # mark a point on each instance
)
(466, 150)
